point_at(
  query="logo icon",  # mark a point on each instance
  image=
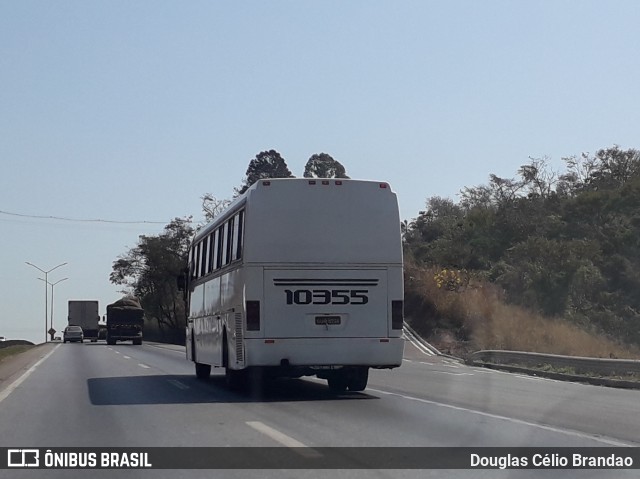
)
(23, 458)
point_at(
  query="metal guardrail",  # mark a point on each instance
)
(581, 365)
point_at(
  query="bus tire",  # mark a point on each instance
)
(358, 379)
(338, 381)
(203, 371)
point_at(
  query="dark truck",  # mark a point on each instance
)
(125, 320)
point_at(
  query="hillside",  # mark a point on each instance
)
(546, 262)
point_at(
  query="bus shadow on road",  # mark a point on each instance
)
(186, 389)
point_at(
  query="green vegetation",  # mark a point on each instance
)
(149, 271)
(547, 262)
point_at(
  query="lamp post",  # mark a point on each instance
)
(46, 295)
(52, 285)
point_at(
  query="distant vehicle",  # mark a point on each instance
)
(73, 334)
(299, 277)
(57, 338)
(85, 314)
(102, 331)
(125, 321)
(2, 338)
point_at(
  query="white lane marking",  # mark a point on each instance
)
(581, 435)
(126, 357)
(5, 393)
(274, 434)
(283, 439)
(177, 384)
(144, 366)
(452, 374)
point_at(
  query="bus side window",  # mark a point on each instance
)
(203, 259)
(220, 234)
(196, 261)
(229, 242)
(239, 223)
(211, 266)
(192, 272)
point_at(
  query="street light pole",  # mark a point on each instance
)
(46, 298)
(52, 285)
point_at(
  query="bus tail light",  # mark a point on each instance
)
(397, 314)
(253, 315)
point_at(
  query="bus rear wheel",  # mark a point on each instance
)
(203, 371)
(338, 381)
(352, 378)
(358, 379)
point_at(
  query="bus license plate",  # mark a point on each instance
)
(327, 320)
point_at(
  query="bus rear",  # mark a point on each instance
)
(323, 279)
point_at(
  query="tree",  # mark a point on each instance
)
(212, 206)
(266, 164)
(322, 165)
(149, 271)
(614, 167)
(538, 178)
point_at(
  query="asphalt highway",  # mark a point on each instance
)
(94, 395)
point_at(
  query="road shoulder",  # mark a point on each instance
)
(12, 367)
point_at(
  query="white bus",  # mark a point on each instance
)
(299, 277)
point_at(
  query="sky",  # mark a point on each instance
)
(128, 112)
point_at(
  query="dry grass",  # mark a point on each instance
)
(476, 317)
(13, 350)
